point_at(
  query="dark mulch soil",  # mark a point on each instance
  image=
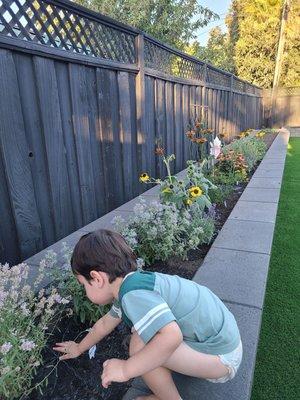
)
(79, 379)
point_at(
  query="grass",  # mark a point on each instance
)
(277, 365)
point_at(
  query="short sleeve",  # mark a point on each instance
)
(147, 311)
(115, 310)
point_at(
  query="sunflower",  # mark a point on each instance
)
(195, 191)
(144, 177)
(189, 202)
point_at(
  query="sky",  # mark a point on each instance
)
(218, 6)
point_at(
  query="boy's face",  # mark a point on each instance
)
(97, 289)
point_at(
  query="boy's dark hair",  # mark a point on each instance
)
(103, 250)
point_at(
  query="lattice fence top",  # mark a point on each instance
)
(218, 78)
(65, 26)
(168, 62)
(44, 22)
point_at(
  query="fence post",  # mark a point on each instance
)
(140, 104)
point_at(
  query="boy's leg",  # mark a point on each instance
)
(184, 360)
(159, 380)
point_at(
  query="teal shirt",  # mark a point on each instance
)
(150, 300)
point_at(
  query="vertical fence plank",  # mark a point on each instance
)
(54, 143)
(64, 92)
(126, 134)
(15, 160)
(179, 129)
(95, 142)
(83, 142)
(9, 246)
(170, 121)
(160, 111)
(185, 120)
(150, 124)
(108, 106)
(36, 144)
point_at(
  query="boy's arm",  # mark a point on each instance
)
(156, 352)
(101, 328)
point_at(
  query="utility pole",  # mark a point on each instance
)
(280, 51)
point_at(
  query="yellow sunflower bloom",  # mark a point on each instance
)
(195, 191)
(189, 202)
(144, 177)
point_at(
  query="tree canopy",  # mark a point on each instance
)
(172, 21)
(254, 28)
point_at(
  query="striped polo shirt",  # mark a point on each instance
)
(150, 300)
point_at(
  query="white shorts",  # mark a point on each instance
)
(232, 361)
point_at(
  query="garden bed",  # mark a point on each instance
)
(80, 378)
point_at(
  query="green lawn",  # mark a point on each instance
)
(277, 375)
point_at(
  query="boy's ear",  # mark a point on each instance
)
(98, 277)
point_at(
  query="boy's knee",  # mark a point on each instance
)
(136, 344)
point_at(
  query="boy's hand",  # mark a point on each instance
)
(70, 350)
(113, 371)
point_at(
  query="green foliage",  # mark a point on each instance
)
(193, 189)
(220, 193)
(171, 21)
(160, 231)
(254, 27)
(217, 52)
(84, 310)
(26, 321)
(252, 148)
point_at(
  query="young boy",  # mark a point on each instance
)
(177, 325)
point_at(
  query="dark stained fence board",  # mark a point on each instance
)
(95, 142)
(170, 146)
(185, 119)
(54, 143)
(64, 92)
(150, 125)
(138, 164)
(108, 104)
(82, 141)
(160, 112)
(15, 159)
(36, 145)
(9, 245)
(126, 134)
(179, 129)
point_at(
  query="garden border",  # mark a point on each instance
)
(244, 242)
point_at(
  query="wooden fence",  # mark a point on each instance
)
(283, 109)
(83, 100)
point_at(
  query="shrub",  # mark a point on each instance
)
(26, 319)
(160, 231)
(252, 148)
(64, 279)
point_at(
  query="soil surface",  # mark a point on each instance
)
(79, 379)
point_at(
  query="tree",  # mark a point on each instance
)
(254, 27)
(172, 21)
(217, 52)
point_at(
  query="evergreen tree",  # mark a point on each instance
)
(254, 27)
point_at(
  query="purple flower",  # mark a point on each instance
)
(27, 345)
(5, 347)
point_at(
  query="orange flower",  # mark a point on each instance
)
(201, 140)
(159, 151)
